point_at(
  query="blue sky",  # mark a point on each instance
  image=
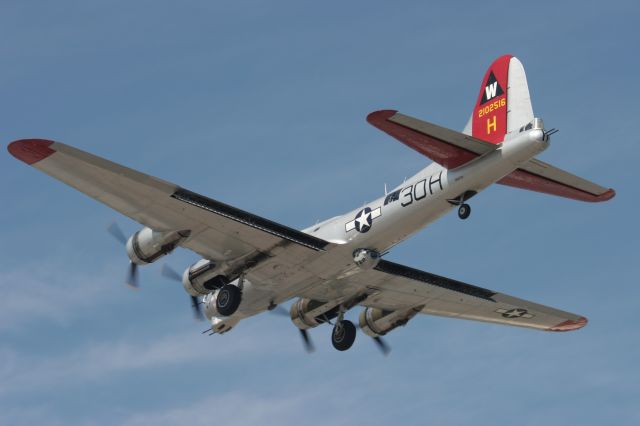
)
(262, 105)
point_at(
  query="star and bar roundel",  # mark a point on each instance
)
(515, 313)
(364, 220)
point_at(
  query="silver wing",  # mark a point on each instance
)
(395, 287)
(218, 231)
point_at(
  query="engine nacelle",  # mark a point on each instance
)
(309, 313)
(203, 277)
(376, 322)
(366, 258)
(147, 246)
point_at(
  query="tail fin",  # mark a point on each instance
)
(503, 104)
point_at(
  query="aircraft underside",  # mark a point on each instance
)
(251, 265)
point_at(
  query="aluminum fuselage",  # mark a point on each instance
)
(405, 210)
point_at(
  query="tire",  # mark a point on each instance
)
(228, 300)
(464, 211)
(343, 336)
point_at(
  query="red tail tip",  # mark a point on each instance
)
(30, 150)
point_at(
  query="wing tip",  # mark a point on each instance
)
(570, 325)
(607, 195)
(378, 117)
(31, 151)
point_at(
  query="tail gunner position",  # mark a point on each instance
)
(250, 264)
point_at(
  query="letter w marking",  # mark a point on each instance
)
(491, 90)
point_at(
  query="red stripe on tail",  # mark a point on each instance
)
(490, 112)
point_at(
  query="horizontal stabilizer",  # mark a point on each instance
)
(542, 177)
(446, 147)
(452, 149)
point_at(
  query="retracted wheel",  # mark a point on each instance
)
(343, 336)
(464, 211)
(228, 300)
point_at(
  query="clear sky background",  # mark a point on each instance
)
(262, 105)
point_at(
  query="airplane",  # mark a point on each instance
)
(250, 264)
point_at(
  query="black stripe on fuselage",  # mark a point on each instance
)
(249, 219)
(436, 280)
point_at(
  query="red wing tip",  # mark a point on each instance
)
(380, 116)
(570, 325)
(30, 150)
(605, 196)
(608, 195)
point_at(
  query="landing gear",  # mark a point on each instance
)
(228, 300)
(464, 211)
(344, 334)
(216, 282)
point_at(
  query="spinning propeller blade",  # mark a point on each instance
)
(306, 340)
(117, 233)
(197, 312)
(382, 345)
(170, 273)
(132, 276)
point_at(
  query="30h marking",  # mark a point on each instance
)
(416, 191)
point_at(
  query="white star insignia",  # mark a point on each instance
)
(364, 220)
(515, 313)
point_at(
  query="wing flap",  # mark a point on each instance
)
(446, 147)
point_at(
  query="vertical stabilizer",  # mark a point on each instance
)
(520, 111)
(503, 104)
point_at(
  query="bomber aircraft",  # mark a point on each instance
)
(251, 264)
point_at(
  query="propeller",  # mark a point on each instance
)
(132, 275)
(382, 345)
(170, 273)
(117, 233)
(306, 338)
(197, 311)
(306, 341)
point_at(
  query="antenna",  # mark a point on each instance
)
(385, 189)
